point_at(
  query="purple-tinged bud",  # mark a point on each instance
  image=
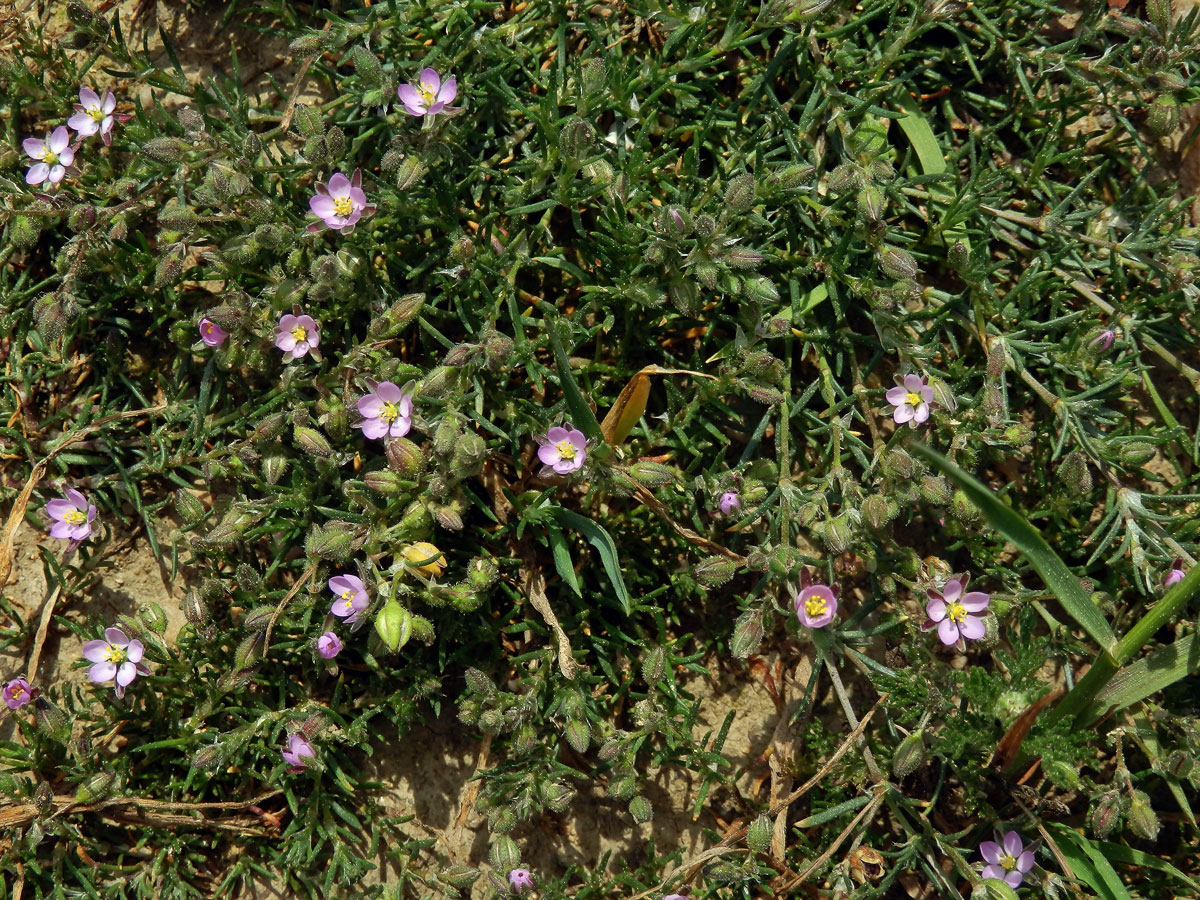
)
(1102, 341)
(1106, 814)
(329, 645)
(1175, 575)
(730, 503)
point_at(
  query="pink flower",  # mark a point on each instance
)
(93, 114)
(72, 517)
(730, 503)
(351, 596)
(429, 95)
(17, 693)
(1009, 862)
(1102, 341)
(52, 156)
(386, 412)
(950, 611)
(116, 658)
(296, 335)
(816, 604)
(211, 333)
(520, 880)
(911, 397)
(297, 752)
(340, 203)
(1175, 575)
(329, 645)
(562, 450)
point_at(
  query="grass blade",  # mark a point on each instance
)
(1088, 863)
(599, 538)
(1147, 676)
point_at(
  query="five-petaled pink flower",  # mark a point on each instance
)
(351, 596)
(430, 95)
(17, 693)
(116, 658)
(340, 203)
(52, 156)
(386, 412)
(562, 450)
(816, 604)
(1009, 861)
(911, 396)
(93, 114)
(72, 517)
(211, 333)
(950, 611)
(297, 752)
(520, 880)
(1175, 575)
(296, 335)
(329, 645)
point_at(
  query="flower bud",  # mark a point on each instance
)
(1074, 474)
(758, 835)
(898, 264)
(259, 618)
(460, 877)
(641, 809)
(482, 573)
(747, 633)
(739, 194)
(329, 544)
(188, 506)
(578, 735)
(878, 510)
(470, 452)
(447, 516)
(959, 257)
(743, 258)
(51, 720)
(153, 617)
(575, 139)
(312, 442)
(1142, 819)
(384, 481)
(1106, 814)
(1178, 765)
(163, 149)
(870, 203)
(409, 173)
(404, 457)
(652, 474)
(910, 755)
(504, 853)
(274, 465)
(393, 624)
(96, 788)
(714, 571)
(194, 607)
(654, 666)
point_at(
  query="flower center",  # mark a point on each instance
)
(566, 450)
(815, 606)
(75, 517)
(956, 612)
(390, 412)
(342, 206)
(16, 691)
(425, 90)
(48, 156)
(1008, 862)
(97, 113)
(300, 333)
(912, 398)
(115, 654)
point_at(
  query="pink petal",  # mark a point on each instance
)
(300, 349)
(432, 78)
(564, 466)
(357, 197)
(548, 454)
(577, 438)
(116, 637)
(285, 342)
(976, 601)
(926, 394)
(947, 632)
(81, 532)
(89, 98)
(58, 508)
(374, 428)
(435, 109)
(1013, 845)
(321, 205)
(389, 392)
(307, 323)
(406, 406)
(411, 99)
(921, 414)
(936, 609)
(126, 674)
(401, 426)
(952, 590)
(449, 91)
(287, 322)
(110, 103)
(61, 530)
(56, 174)
(370, 406)
(1014, 879)
(33, 147)
(93, 651)
(972, 628)
(557, 433)
(102, 671)
(77, 499)
(995, 871)
(913, 383)
(84, 124)
(37, 173)
(1025, 861)
(902, 414)
(896, 395)
(990, 851)
(135, 651)
(59, 139)
(339, 185)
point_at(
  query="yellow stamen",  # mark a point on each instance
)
(815, 607)
(16, 692)
(1007, 862)
(97, 113)
(913, 399)
(390, 412)
(566, 450)
(425, 91)
(114, 654)
(300, 333)
(75, 517)
(956, 612)
(342, 206)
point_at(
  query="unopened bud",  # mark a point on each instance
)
(404, 457)
(96, 788)
(51, 720)
(1178, 765)
(1142, 819)
(163, 149)
(333, 545)
(641, 809)
(393, 624)
(878, 510)
(739, 194)
(312, 442)
(870, 203)
(898, 263)
(714, 571)
(195, 609)
(652, 474)
(504, 853)
(747, 633)
(654, 666)
(1106, 814)
(274, 465)
(959, 257)
(758, 835)
(409, 173)
(1074, 474)
(188, 506)
(460, 877)
(384, 481)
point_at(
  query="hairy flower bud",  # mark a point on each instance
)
(878, 510)
(714, 571)
(1142, 819)
(652, 474)
(758, 835)
(641, 809)
(163, 149)
(747, 633)
(504, 853)
(329, 544)
(898, 264)
(194, 607)
(1074, 474)
(384, 481)
(460, 877)
(409, 173)
(910, 755)
(739, 193)
(1106, 814)
(188, 506)
(312, 442)
(51, 720)
(404, 457)
(274, 465)
(654, 666)
(96, 788)
(959, 257)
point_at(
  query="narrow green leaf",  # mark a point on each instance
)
(923, 140)
(1088, 863)
(562, 558)
(1058, 578)
(1128, 855)
(582, 416)
(1147, 676)
(603, 542)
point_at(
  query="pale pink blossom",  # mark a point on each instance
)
(329, 645)
(211, 333)
(1175, 575)
(816, 604)
(520, 880)
(51, 156)
(340, 203)
(562, 449)
(351, 597)
(116, 658)
(951, 612)
(730, 503)
(1008, 861)
(17, 693)
(386, 412)
(72, 517)
(911, 398)
(296, 335)
(430, 95)
(297, 753)
(93, 114)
